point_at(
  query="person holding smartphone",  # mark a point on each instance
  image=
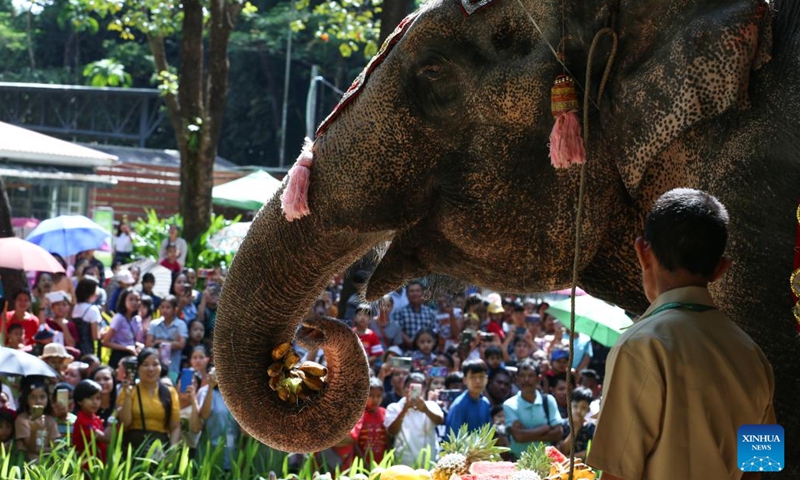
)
(35, 428)
(413, 421)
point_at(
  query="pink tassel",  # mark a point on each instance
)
(566, 142)
(294, 199)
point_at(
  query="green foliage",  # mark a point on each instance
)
(12, 40)
(352, 24)
(251, 461)
(107, 73)
(151, 231)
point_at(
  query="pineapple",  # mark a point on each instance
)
(533, 463)
(463, 448)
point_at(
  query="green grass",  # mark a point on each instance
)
(253, 461)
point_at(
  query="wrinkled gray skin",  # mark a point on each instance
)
(444, 153)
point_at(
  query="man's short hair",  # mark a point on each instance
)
(582, 394)
(528, 364)
(148, 278)
(476, 365)
(687, 229)
(493, 351)
(590, 373)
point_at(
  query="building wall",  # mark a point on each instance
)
(143, 187)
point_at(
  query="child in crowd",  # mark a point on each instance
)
(422, 354)
(370, 435)
(370, 341)
(62, 413)
(148, 282)
(191, 424)
(199, 361)
(170, 261)
(471, 407)
(197, 334)
(35, 428)
(558, 369)
(89, 431)
(65, 331)
(500, 434)
(16, 337)
(6, 428)
(494, 358)
(581, 399)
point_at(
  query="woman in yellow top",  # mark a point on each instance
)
(149, 409)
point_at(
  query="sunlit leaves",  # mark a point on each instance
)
(353, 24)
(107, 73)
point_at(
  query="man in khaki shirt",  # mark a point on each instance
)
(682, 380)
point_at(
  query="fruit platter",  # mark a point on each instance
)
(474, 456)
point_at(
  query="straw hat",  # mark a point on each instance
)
(55, 350)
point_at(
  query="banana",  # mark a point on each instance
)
(291, 360)
(275, 381)
(313, 368)
(312, 382)
(281, 350)
(284, 393)
(275, 369)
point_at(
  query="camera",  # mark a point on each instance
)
(467, 336)
(486, 336)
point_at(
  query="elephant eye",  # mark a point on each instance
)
(431, 71)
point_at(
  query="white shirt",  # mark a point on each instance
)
(123, 243)
(416, 432)
(88, 312)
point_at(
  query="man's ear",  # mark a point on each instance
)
(643, 252)
(723, 265)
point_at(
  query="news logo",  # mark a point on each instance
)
(760, 448)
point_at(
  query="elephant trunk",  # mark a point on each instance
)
(277, 273)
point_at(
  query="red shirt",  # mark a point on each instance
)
(171, 266)
(371, 342)
(54, 326)
(497, 329)
(85, 424)
(30, 324)
(371, 435)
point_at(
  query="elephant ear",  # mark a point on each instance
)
(680, 63)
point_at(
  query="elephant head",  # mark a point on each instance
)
(442, 154)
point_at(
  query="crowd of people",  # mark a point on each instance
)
(122, 356)
(466, 358)
(122, 353)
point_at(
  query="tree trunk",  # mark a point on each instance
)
(393, 12)
(13, 280)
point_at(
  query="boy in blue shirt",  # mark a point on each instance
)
(471, 407)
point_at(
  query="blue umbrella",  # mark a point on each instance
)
(68, 234)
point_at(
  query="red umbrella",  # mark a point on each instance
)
(19, 254)
(24, 222)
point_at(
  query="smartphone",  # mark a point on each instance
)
(62, 396)
(449, 395)
(415, 390)
(467, 336)
(437, 371)
(37, 411)
(187, 377)
(520, 331)
(401, 363)
(130, 370)
(487, 337)
(165, 349)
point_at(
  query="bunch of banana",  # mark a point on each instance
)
(560, 471)
(293, 380)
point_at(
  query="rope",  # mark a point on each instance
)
(579, 219)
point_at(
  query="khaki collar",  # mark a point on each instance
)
(699, 295)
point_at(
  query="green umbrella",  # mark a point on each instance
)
(601, 321)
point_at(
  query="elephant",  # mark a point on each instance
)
(436, 163)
